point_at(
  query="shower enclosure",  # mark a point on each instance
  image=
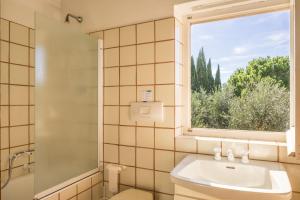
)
(66, 103)
(66, 112)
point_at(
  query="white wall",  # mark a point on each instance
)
(102, 14)
(22, 11)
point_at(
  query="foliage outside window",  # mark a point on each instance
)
(244, 84)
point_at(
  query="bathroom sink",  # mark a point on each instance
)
(257, 180)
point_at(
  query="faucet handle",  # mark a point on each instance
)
(245, 157)
(217, 151)
(230, 155)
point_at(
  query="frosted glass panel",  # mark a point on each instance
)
(66, 103)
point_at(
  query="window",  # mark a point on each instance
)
(240, 73)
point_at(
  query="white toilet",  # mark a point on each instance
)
(133, 194)
(130, 194)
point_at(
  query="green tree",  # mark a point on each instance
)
(265, 108)
(210, 78)
(201, 70)
(218, 79)
(276, 68)
(194, 81)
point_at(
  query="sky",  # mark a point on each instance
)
(234, 42)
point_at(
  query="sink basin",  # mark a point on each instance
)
(226, 180)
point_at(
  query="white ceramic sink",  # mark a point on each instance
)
(257, 180)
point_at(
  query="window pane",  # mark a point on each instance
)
(240, 73)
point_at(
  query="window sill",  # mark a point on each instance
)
(236, 135)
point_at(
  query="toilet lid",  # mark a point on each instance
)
(133, 194)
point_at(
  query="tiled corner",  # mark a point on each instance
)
(165, 29)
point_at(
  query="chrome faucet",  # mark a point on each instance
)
(230, 155)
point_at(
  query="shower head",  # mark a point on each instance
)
(77, 18)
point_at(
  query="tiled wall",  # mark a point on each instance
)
(149, 56)
(17, 94)
(85, 189)
(140, 57)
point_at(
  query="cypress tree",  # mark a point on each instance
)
(210, 78)
(194, 81)
(201, 70)
(218, 79)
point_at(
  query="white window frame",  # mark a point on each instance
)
(228, 13)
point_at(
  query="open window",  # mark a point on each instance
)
(240, 74)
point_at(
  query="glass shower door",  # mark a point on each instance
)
(66, 103)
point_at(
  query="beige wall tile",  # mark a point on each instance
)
(128, 75)
(19, 136)
(145, 179)
(161, 196)
(165, 73)
(4, 51)
(31, 114)
(4, 73)
(207, 145)
(32, 57)
(111, 57)
(163, 183)
(128, 35)
(165, 29)
(4, 159)
(127, 155)
(179, 156)
(4, 115)
(237, 147)
(296, 196)
(294, 176)
(111, 114)
(52, 197)
(4, 30)
(145, 74)
(18, 115)
(145, 32)
(19, 95)
(4, 138)
(263, 152)
(32, 38)
(68, 192)
(111, 134)
(127, 95)
(127, 176)
(165, 51)
(32, 133)
(186, 144)
(19, 54)
(165, 94)
(19, 34)
(164, 160)
(128, 55)
(283, 156)
(124, 116)
(145, 53)
(141, 90)
(127, 135)
(84, 184)
(141, 154)
(111, 153)
(145, 137)
(111, 95)
(164, 139)
(4, 95)
(97, 178)
(169, 121)
(19, 74)
(86, 195)
(32, 76)
(111, 76)
(111, 38)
